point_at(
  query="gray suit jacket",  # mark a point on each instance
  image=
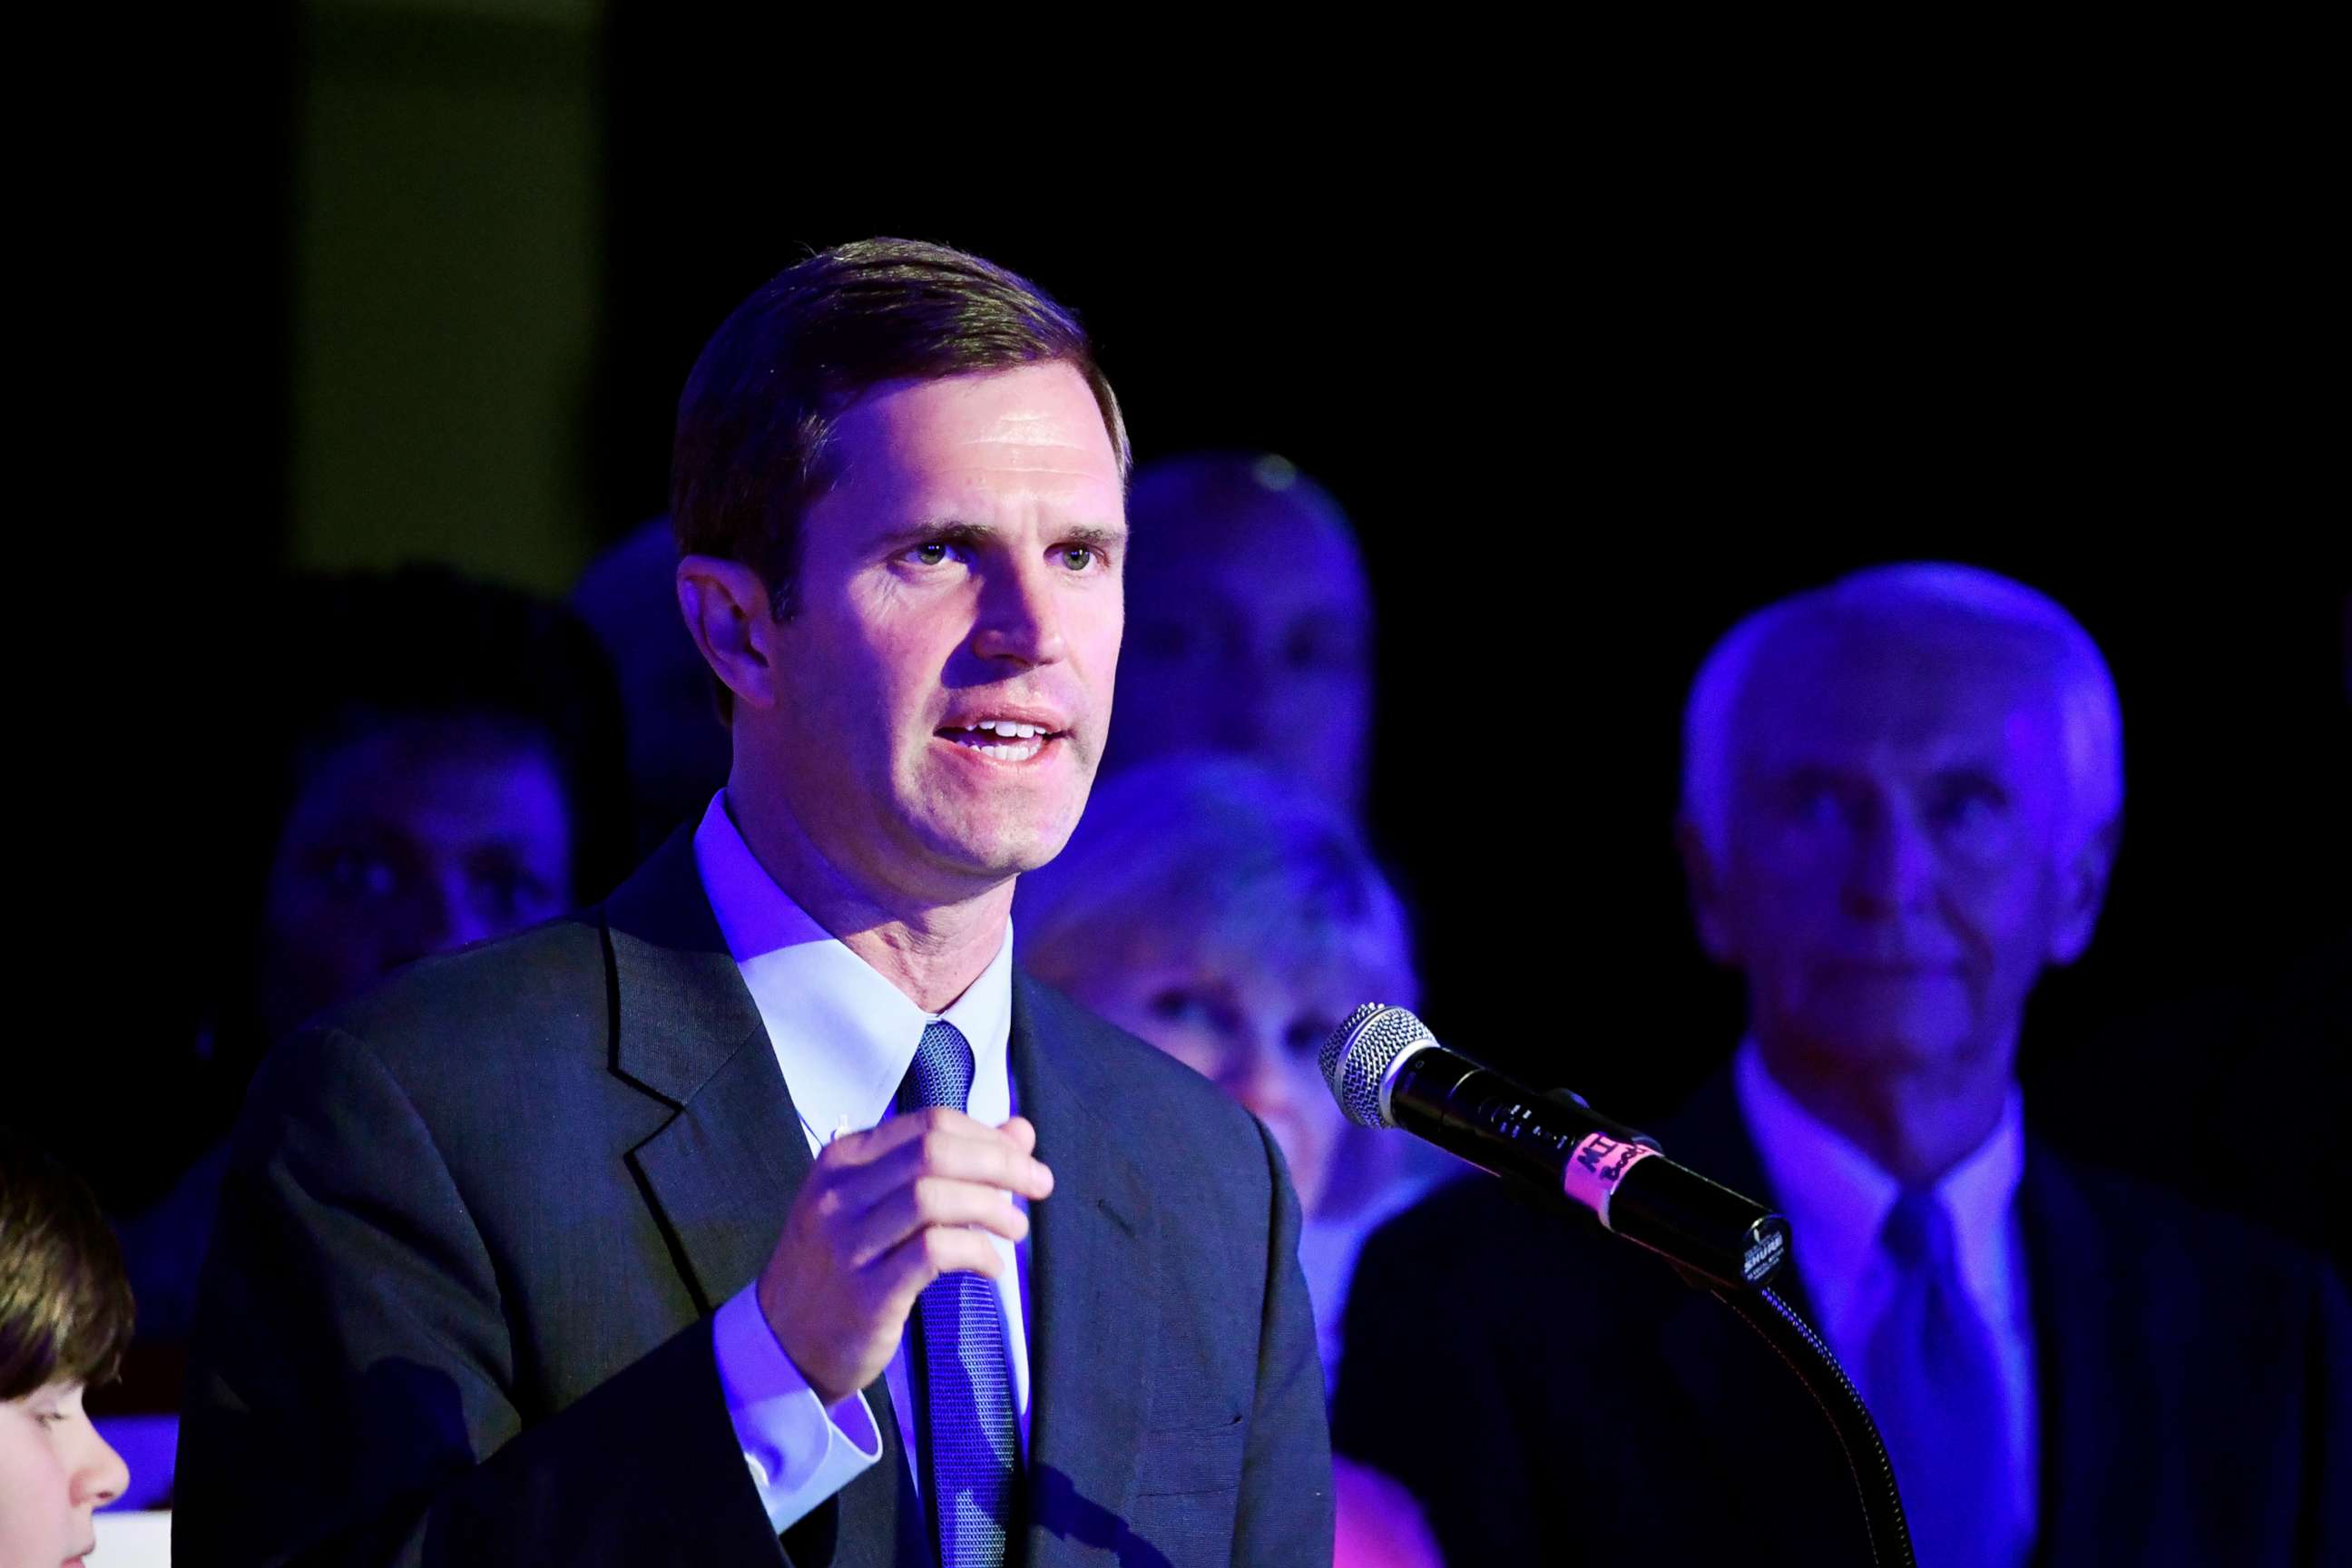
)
(475, 1224)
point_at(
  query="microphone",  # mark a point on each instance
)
(1386, 1069)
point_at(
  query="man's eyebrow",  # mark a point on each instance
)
(975, 535)
(963, 533)
(1972, 769)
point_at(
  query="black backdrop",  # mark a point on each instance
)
(1589, 399)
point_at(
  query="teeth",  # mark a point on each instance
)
(1010, 730)
(1012, 749)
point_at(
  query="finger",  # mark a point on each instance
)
(905, 1268)
(851, 1148)
(930, 1201)
(983, 1155)
(1023, 1134)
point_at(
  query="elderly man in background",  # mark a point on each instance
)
(1902, 796)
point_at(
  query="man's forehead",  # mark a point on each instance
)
(1038, 420)
(1935, 687)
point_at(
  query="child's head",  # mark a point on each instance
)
(64, 1316)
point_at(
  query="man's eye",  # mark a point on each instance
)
(1077, 557)
(361, 874)
(1817, 806)
(1968, 808)
(1320, 650)
(931, 554)
(508, 894)
(1178, 1006)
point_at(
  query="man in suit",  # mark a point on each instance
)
(1901, 801)
(601, 1244)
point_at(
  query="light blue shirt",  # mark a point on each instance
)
(843, 1037)
(1836, 1200)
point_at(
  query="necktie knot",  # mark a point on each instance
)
(941, 1071)
(1918, 1231)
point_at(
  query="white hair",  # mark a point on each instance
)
(2090, 720)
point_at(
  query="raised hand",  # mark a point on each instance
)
(883, 1214)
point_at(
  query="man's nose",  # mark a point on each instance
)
(1894, 867)
(1252, 1074)
(447, 917)
(1021, 615)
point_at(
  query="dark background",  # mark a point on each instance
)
(1591, 387)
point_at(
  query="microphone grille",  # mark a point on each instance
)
(1356, 1058)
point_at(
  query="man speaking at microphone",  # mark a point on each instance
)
(603, 1244)
(1901, 799)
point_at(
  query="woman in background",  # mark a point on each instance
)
(64, 1316)
(1229, 915)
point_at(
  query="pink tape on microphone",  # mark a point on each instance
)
(1595, 1167)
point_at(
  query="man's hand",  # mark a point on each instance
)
(884, 1214)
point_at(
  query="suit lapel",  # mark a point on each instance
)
(1092, 1288)
(721, 1173)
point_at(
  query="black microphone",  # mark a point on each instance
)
(1386, 1069)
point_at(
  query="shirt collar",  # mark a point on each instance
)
(841, 1032)
(1836, 1198)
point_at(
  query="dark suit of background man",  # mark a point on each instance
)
(1901, 801)
(586, 1245)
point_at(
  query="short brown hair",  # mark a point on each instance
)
(65, 1304)
(755, 422)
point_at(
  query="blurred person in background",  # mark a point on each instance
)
(677, 745)
(438, 762)
(1249, 624)
(64, 1316)
(1902, 799)
(448, 771)
(1228, 913)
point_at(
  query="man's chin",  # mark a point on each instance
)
(987, 857)
(1896, 1044)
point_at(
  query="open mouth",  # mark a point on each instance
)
(1002, 740)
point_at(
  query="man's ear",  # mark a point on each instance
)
(2083, 891)
(726, 608)
(1704, 880)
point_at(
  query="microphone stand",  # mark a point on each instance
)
(1802, 1352)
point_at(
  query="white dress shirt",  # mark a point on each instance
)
(1836, 1199)
(843, 1037)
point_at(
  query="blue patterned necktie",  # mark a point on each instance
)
(965, 1439)
(1935, 1386)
